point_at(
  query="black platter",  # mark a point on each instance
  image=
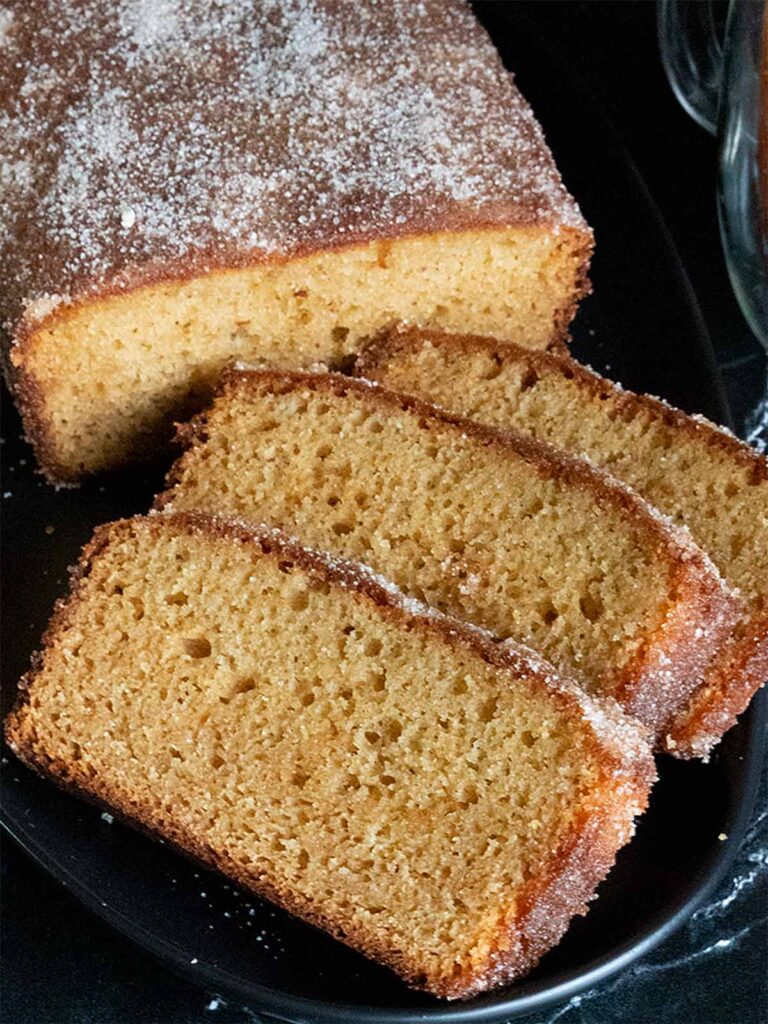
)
(642, 326)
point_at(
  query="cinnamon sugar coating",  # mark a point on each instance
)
(151, 139)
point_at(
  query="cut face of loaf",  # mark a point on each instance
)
(701, 476)
(375, 163)
(89, 406)
(435, 801)
(494, 528)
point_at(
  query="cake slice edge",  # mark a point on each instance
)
(546, 906)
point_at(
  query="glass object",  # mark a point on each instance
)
(719, 73)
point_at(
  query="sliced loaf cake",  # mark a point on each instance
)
(436, 801)
(695, 472)
(495, 528)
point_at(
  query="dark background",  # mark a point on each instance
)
(62, 965)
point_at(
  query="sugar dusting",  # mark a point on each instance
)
(6, 22)
(149, 134)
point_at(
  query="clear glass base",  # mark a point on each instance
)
(756, 426)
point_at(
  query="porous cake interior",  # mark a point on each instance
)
(471, 529)
(398, 786)
(105, 380)
(722, 500)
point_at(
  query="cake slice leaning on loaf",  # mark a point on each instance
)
(435, 801)
(495, 528)
(695, 472)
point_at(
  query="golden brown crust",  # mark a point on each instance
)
(583, 287)
(730, 684)
(547, 904)
(39, 432)
(742, 667)
(36, 427)
(701, 611)
(695, 629)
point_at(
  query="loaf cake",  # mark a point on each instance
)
(695, 472)
(492, 527)
(187, 183)
(433, 800)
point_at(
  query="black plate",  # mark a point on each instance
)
(642, 325)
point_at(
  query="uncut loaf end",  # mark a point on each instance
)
(279, 181)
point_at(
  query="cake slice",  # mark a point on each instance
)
(493, 527)
(256, 180)
(695, 472)
(438, 802)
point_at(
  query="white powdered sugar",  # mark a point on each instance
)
(127, 217)
(157, 134)
(38, 309)
(148, 23)
(6, 22)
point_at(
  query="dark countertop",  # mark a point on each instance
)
(62, 965)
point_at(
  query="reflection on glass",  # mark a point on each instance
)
(720, 75)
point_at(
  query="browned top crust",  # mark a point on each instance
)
(152, 139)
